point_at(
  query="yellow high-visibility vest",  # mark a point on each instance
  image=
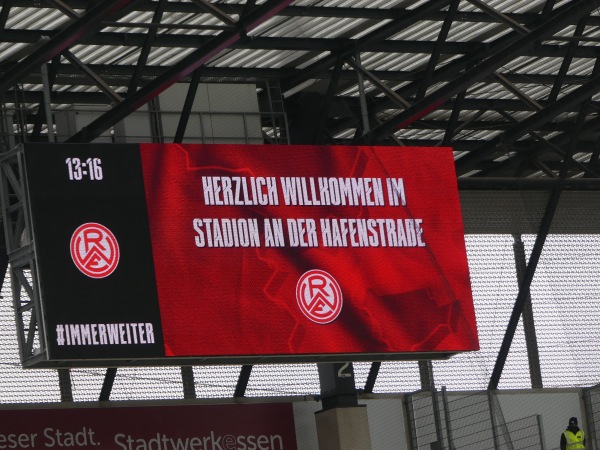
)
(574, 440)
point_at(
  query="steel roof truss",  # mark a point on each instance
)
(98, 82)
(454, 115)
(392, 95)
(180, 70)
(87, 24)
(435, 55)
(150, 37)
(566, 63)
(380, 34)
(64, 8)
(41, 113)
(215, 11)
(500, 17)
(187, 108)
(4, 15)
(423, 107)
(515, 90)
(531, 123)
(320, 128)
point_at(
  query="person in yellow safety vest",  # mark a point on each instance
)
(573, 437)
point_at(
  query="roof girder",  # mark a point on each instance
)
(87, 24)
(478, 72)
(179, 70)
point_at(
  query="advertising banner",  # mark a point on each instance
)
(240, 251)
(191, 427)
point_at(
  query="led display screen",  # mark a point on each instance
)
(249, 252)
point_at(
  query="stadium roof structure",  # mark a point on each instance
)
(513, 86)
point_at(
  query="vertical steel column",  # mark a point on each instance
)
(426, 374)
(187, 107)
(64, 383)
(437, 417)
(109, 379)
(372, 377)
(47, 103)
(187, 378)
(242, 384)
(447, 418)
(363, 99)
(533, 355)
(337, 385)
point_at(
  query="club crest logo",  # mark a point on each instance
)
(319, 296)
(94, 250)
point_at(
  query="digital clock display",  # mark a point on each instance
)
(89, 169)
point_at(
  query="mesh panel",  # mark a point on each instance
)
(216, 381)
(565, 304)
(494, 286)
(398, 377)
(16, 384)
(290, 379)
(565, 294)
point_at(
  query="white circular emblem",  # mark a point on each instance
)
(319, 296)
(94, 250)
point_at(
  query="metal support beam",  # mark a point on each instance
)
(319, 135)
(500, 16)
(423, 107)
(180, 70)
(187, 107)
(566, 62)
(519, 93)
(65, 386)
(426, 374)
(189, 385)
(4, 15)
(392, 95)
(248, 6)
(535, 120)
(536, 253)
(454, 116)
(536, 184)
(216, 12)
(48, 103)
(64, 8)
(44, 100)
(87, 24)
(98, 82)
(533, 354)
(437, 50)
(242, 384)
(364, 110)
(372, 377)
(145, 52)
(406, 20)
(109, 379)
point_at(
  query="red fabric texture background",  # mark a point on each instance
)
(242, 301)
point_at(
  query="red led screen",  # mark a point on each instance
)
(249, 251)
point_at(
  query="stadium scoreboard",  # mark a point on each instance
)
(247, 253)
